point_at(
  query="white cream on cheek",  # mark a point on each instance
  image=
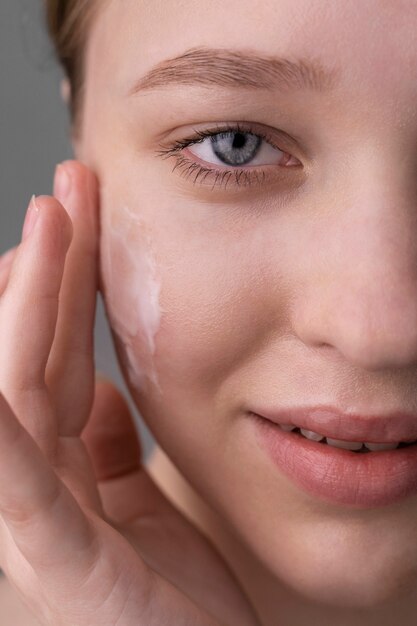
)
(132, 290)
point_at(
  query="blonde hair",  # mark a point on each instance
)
(68, 24)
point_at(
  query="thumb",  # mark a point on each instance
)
(110, 434)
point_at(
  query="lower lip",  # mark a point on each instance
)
(336, 475)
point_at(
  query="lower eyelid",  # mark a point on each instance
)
(232, 179)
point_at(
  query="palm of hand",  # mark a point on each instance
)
(85, 534)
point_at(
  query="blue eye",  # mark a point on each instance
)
(233, 147)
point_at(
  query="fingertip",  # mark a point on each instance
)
(8, 256)
(79, 171)
(56, 212)
(76, 167)
(84, 186)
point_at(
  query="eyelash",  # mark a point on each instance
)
(188, 166)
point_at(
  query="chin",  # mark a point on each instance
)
(345, 576)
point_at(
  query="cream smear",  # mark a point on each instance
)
(132, 289)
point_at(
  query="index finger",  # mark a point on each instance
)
(70, 371)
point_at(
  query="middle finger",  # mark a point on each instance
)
(28, 314)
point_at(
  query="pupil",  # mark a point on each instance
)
(239, 141)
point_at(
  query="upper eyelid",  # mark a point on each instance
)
(243, 131)
(244, 127)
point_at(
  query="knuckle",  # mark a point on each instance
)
(35, 510)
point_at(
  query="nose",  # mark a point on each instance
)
(359, 272)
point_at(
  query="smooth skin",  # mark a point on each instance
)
(299, 290)
(86, 536)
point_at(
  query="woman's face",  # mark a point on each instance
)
(290, 283)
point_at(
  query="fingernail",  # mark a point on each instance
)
(62, 183)
(31, 218)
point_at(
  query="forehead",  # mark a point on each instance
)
(372, 44)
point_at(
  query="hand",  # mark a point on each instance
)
(85, 541)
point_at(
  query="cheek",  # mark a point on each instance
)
(131, 288)
(187, 310)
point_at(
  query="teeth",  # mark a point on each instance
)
(381, 446)
(310, 434)
(347, 445)
(340, 443)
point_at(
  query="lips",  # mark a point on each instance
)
(397, 426)
(335, 475)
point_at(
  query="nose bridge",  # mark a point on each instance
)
(361, 292)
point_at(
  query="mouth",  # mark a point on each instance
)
(336, 474)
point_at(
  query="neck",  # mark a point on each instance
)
(273, 601)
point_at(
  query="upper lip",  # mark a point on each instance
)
(331, 422)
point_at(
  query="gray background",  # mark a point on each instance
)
(34, 137)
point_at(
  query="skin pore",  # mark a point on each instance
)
(298, 289)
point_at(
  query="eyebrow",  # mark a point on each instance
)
(236, 68)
